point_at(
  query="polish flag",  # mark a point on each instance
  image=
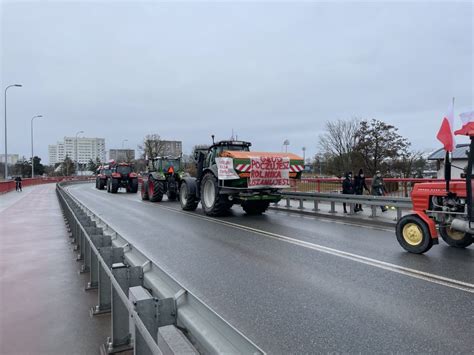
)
(445, 134)
(467, 119)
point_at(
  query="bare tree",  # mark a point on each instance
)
(340, 141)
(152, 146)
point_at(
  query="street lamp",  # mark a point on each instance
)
(32, 155)
(6, 149)
(304, 155)
(286, 143)
(77, 162)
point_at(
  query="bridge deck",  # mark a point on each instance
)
(44, 306)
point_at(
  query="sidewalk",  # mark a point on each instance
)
(387, 218)
(45, 309)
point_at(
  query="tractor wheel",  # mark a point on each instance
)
(455, 238)
(144, 191)
(213, 203)
(255, 207)
(96, 183)
(114, 186)
(101, 184)
(413, 234)
(188, 201)
(155, 190)
(133, 187)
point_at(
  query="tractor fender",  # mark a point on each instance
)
(429, 222)
(191, 183)
(157, 176)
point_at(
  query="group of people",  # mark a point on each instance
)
(357, 185)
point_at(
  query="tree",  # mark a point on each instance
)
(93, 165)
(39, 168)
(338, 145)
(152, 146)
(408, 164)
(378, 143)
(22, 168)
(68, 167)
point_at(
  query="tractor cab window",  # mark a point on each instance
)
(168, 163)
(106, 171)
(238, 148)
(124, 170)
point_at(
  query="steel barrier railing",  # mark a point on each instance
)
(146, 302)
(399, 203)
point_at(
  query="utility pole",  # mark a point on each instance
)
(32, 154)
(6, 146)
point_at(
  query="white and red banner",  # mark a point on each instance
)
(225, 169)
(446, 131)
(269, 171)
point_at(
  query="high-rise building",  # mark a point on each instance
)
(87, 149)
(171, 148)
(122, 155)
(12, 159)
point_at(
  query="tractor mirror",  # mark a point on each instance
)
(463, 175)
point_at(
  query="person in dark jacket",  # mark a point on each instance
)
(18, 183)
(378, 187)
(359, 187)
(347, 187)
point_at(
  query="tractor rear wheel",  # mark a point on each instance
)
(114, 186)
(155, 190)
(144, 191)
(101, 184)
(413, 234)
(186, 199)
(255, 207)
(213, 203)
(133, 187)
(455, 238)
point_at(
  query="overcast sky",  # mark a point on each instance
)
(270, 71)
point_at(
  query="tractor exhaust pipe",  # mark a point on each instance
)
(461, 225)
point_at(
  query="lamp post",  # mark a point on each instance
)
(304, 155)
(6, 147)
(32, 154)
(77, 162)
(286, 143)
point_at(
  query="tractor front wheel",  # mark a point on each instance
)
(187, 200)
(114, 186)
(213, 203)
(255, 207)
(455, 238)
(413, 234)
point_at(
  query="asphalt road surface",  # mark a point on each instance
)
(300, 284)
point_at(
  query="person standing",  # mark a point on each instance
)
(347, 187)
(359, 187)
(378, 187)
(18, 183)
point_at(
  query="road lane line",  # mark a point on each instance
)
(433, 278)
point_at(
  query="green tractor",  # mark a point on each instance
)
(164, 174)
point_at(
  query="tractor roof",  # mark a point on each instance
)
(226, 143)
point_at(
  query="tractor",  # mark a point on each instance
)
(122, 176)
(164, 174)
(445, 208)
(103, 173)
(229, 173)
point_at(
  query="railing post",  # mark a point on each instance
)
(288, 204)
(399, 213)
(333, 207)
(301, 207)
(374, 211)
(316, 209)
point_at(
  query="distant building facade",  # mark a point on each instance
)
(122, 155)
(12, 159)
(87, 149)
(172, 148)
(458, 157)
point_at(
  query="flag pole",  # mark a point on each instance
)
(447, 161)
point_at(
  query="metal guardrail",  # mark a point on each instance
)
(400, 203)
(146, 302)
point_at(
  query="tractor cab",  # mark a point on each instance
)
(216, 149)
(167, 164)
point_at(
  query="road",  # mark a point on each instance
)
(300, 284)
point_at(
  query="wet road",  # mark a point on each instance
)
(296, 283)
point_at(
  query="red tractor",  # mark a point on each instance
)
(445, 208)
(103, 173)
(122, 175)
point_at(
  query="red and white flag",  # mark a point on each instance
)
(446, 131)
(467, 128)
